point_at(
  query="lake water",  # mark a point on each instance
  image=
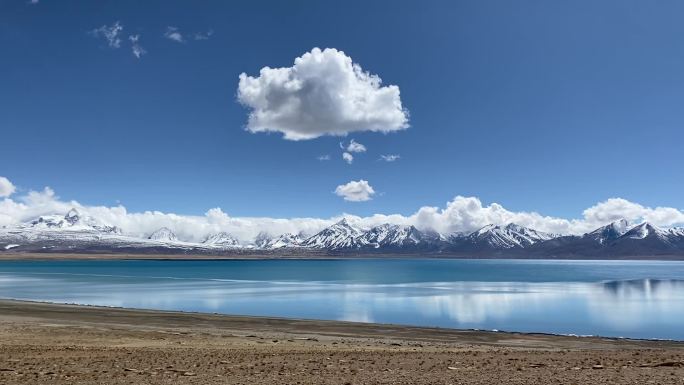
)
(638, 299)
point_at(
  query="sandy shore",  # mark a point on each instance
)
(64, 344)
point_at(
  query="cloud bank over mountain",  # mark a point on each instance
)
(461, 214)
(323, 93)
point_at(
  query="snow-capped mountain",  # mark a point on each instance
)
(221, 239)
(262, 240)
(287, 240)
(617, 240)
(74, 232)
(509, 236)
(341, 235)
(647, 237)
(647, 230)
(396, 236)
(609, 232)
(164, 235)
(72, 220)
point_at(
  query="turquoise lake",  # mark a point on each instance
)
(637, 299)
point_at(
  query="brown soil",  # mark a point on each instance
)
(63, 344)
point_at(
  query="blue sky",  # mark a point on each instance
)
(546, 106)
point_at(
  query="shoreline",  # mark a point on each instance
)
(97, 313)
(44, 343)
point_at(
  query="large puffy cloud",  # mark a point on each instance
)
(616, 208)
(355, 191)
(323, 93)
(466, 214)
(6, 187)
(462, 214)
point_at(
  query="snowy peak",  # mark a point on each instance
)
(262, 240)
(72, 216)
(285, 240)
(620, 226)
(647, 230)
(49, 221)
(647, 239)
(164, 234)
(609, 232)
(343, 235)
(344, 224)
(340, 235)
(387, 235)
(619, 231)
(72, 221)
(508, 236)
(221, 239)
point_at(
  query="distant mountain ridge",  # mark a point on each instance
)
(510, 236)
(74, 232)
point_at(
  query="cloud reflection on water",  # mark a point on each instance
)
(638, 308)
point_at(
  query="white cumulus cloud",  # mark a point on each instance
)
(355, 191)
(7, 188)
(349, 158)
(617, 208)
(323, 93)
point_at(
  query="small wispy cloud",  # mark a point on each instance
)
(173, 33)
(136, 48)
(111, 33)
(33, 2)
(389, 158)
(203, 35)
(348, 149)
(324, 157)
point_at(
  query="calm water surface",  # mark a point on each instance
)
(611, 298)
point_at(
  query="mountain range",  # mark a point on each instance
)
(74, 232)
